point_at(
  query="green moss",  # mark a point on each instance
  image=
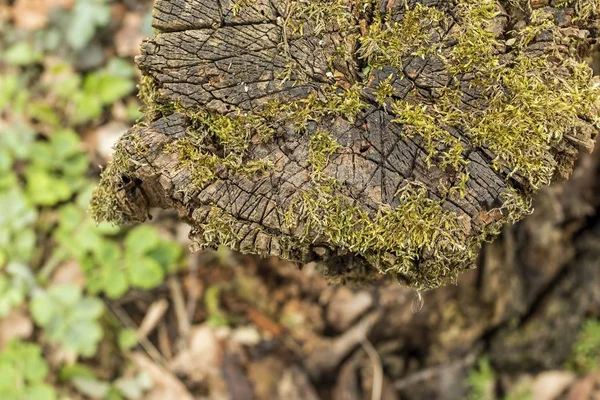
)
(321, 147)
(201, 165)
(239, 5)
(387, 43)
(384, 91)
(218, 228)
(417, 239)
(585, 356)
(106, 203)
(419, 122)
(584, 9)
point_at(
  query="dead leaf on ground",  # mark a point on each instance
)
(202, 357)
(549, 385)
(33, 14)
(16, 325)
(129, 37)
(166, 385)
(69, 273)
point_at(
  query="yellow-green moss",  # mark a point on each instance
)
(387, 43)
(105, 203)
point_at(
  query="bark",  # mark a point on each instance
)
(225, 62)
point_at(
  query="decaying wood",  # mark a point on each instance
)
(258, 65)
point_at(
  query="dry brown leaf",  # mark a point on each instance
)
(203, 356)
(33, 14)
(154, 315)
(166, 385)
(129, 37)
(69, 273)
(16, 325)
(549, 385)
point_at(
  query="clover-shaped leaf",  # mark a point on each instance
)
(69, 318)
(23, 373)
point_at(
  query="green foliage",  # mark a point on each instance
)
(56, 170)
(127, 339)
(15, 282)
(86, 18)
(23, 373)
(57, 85)
(21, 54)
(481, 381)
(585, 356)
(69, 318)
(212, 299)
(102, 88)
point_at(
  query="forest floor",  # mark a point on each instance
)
(101, 312)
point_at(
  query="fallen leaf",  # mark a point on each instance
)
(69, 273)
(33, 14)
(129, 37)
(166, 385)
(202, 357)
(16, 325)
(549, 385)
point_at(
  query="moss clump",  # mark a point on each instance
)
(584, 9)
(417, 240)
(106, 203)
(217, 227)
(321, 147)
(440, 144)
(387, 43)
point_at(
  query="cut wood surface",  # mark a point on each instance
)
(382, 138)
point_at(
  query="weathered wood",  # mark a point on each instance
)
(381, 137)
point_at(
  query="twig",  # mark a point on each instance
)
(147, 345)
(429, 373)
(377, 389)
(183, 322)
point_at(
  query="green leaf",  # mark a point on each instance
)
(114, 281)
(69, 372)
(21, 54)
(166, 254)
(65, 144)
(42, 309)
(45, 189)
(88, 308)
(141, 239)
(9, 85)
(35, 369)
(145, 273)
(127, 339)
(87, 16)
(111, 88)
(40, 391)
(83, 338)
(65, 295)
(107, 253)
(87, 107)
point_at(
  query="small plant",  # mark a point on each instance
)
(586, 350)
(15, 281)
(68, 318)
(23, 373)
(481, 381)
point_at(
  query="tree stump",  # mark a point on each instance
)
(383, 138)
